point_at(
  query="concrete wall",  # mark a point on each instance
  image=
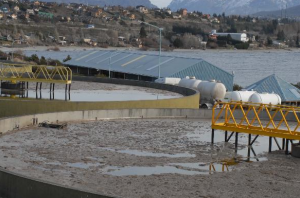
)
(19, 107)
(17, 186)
(19, 122)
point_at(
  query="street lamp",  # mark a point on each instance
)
(160, 30)
(12, 52)
(109, 65)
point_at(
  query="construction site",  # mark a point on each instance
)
(182, 133)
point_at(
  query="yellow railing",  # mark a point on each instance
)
(259, 119)
(35, 73)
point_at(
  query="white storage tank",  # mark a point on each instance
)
(211, 90)
(227, 97)
(194, 84)
(169, 81)
(265, 98)
(241, 96)
(187, 82)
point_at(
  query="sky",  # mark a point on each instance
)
(161, 3)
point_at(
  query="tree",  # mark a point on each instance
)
(143, 33)
(67, 59)
(280, 35)
(43, 61)
(178, 43)
(269, 41)
(237, 87)
(297, 41)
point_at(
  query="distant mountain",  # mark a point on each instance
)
(291, 12)
(124, 3)
(242, 7)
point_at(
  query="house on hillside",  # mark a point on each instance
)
(184, 12)
(142, 9)
(96, 12)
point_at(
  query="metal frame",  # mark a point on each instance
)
(35, 73)
(225, 120)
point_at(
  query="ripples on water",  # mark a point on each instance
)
(252, 66)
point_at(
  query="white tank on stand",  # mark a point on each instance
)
(169, 81)
(211, 90)
(241, 96)
(265, 98)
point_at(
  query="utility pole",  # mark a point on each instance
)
(160, 30)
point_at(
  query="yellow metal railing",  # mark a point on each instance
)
(260, 119)
(35, 73)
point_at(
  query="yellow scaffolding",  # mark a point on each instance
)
(259, 119)
(35, 73)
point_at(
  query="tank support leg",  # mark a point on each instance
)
(226, 134)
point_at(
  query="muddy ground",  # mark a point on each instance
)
(148, 159)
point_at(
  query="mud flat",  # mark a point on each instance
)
(149, 159)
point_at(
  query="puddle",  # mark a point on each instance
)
(83, 165)
(150, 154)
(157, 170)
(75, 165)
(99, 95)
(172, 168)
(260, 146)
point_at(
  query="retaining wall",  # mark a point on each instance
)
(20, 107)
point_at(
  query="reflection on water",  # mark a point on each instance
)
(90, 95)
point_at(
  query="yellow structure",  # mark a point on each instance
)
(35, 73)
(258, 119)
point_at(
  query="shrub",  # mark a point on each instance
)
(242, 46)
(237, 87)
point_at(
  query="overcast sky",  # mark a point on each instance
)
(161, 3)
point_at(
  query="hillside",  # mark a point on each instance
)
(291, 12)
(241, 7)
(124, 3)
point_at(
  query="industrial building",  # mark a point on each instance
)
(145, 66)
(274, 84)
(235, 36)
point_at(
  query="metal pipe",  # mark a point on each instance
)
(212, 136)
(236, 141)
(270, 144)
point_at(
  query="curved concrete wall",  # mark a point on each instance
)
(19, 122)
(30, 106)
(17, 186)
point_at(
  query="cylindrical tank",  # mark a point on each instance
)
(211, 90)
(186, 82)
(169, 81)
(227, 97)
(195, 83)
(265, 98)
(242, 96)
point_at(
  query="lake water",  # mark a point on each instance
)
(249, 66)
